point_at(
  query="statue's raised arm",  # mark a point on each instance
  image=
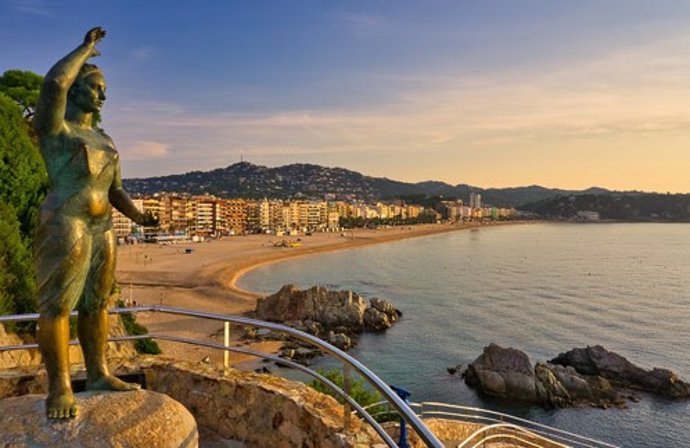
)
(52, 103)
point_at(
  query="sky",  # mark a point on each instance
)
(492, 93)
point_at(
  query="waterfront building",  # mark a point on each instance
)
(208, 215)
(454, 210)
(343, 208)
(200, 216)
(122, 225)
(264, 209)
(587, 215)
(291, 214)
(475, 200)
(412, 211)
(236, 216)
(332, 217)
(174, 214)
(253, 214)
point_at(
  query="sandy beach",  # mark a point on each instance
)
(205, 279)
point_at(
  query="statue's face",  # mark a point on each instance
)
(89, 93)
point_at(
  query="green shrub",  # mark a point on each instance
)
(359, 391)
(133, 328)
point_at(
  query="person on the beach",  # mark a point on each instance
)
(75, 245)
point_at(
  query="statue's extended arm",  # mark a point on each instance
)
(52, 102)
(121, 201)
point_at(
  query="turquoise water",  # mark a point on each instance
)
(542, 288)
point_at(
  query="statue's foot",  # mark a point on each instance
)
(61, 405)
(111, 383)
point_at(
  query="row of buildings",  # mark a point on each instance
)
(212, 216)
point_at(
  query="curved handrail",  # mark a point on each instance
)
(511, 427)
(469, 413)
(420, 428)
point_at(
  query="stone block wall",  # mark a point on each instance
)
(261, 410)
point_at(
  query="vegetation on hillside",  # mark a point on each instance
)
(307, 181)
(23, 183)
(624, 207)
(133, 328)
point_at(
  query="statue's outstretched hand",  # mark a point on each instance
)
(93, 36)
(148, 220)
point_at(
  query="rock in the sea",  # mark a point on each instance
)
(330, 308)
(508, 373)
(340, 340)
(106, 419)
(598, 361)
(318, 310)
(503, 372)
(592, 376)
(459, 368)
(375, 320)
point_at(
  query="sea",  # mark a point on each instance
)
(543, 288)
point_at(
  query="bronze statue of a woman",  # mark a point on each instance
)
(75, 246)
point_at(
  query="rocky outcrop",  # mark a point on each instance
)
(333, 315)
(597, 361)
(592, 377)
(106, 419)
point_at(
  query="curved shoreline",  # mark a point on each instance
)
(235, 275)
(221, 264)
(204, 276)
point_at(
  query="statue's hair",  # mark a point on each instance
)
(85, 71)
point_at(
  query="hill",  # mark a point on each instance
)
(617, 206)
(298, 180)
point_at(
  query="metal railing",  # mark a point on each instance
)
(393, 404)
(503, 432)
(485, 416)
(349, 363)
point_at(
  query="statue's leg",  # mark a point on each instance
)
(62, 262)
(93, 327)
(53, 338)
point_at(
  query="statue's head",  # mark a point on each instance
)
(88, 90)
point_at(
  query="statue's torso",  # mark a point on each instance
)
(81, 165)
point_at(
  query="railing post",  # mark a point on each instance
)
(404, 395)
(347, 385)
(226, 343)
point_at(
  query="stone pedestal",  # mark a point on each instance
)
(106, 419)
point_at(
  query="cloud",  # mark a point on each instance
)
(36, 7)
(140, 150)
(143, 53)
(525, 125)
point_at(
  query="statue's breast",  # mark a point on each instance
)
(99, 162)
(80, 162)
(83, 157)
